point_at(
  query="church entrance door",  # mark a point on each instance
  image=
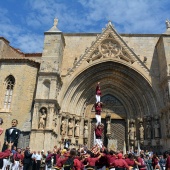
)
(117, 137)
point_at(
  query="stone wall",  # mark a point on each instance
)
(25, 74)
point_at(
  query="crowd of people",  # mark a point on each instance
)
(83, 158)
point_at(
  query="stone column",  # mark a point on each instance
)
(73, 141)
(141, 131)
(132, 132)
(81, 131)
(50, 116)
(35, 116)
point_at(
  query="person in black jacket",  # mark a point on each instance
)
(11, 135)
(27, 158)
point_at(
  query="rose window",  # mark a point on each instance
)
(110, 48)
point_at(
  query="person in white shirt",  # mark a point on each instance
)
(34, 162)
(38, 160)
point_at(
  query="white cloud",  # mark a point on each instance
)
(139, 16)
(128, 16)
(30, 43)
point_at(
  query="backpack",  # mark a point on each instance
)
(69, 164)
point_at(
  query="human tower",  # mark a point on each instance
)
(99, 126)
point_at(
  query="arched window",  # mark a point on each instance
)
(9, 82)
(46, 89)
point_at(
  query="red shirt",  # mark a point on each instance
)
(92, 161)
(111, 159)
(98, 108)
(168, 162)
(154, 162)
(142, 166)
(77, 164)
(61, 160)
(120, 163)
(98, 92)
(130, 162)
(98, 132)
(5, 154)
(18, 156)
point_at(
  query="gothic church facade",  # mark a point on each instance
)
(52, 94)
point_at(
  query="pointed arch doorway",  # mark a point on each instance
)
(128, 96)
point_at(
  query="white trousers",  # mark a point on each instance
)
(99, 142)
(6, 162)
(15, 166)
(98, 119)
(97, 98)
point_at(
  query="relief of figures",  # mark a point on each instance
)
(63, 127)
(86, 133)
(70, 127)
(132, 132)
(141, 131)
(77, 129)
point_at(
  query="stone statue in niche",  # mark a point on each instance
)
(86, 133)
(141, 131)
(148, 130)
(63, 127)
(132, 131)
(77, 128)
(108, 125)
(42, 120)
(70, 127)
(156, 129)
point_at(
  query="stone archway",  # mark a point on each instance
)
(125, 84)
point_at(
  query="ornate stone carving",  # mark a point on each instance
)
(156, 129)
(148, 130)
(77, 128)
(141, 131)
(42, 119)
(70, 127)
(86, 132)
(63, 127)
(132, 132)
(110, 48)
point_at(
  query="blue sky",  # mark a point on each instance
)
(23, 22)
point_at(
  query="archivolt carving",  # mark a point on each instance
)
(110, 48)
